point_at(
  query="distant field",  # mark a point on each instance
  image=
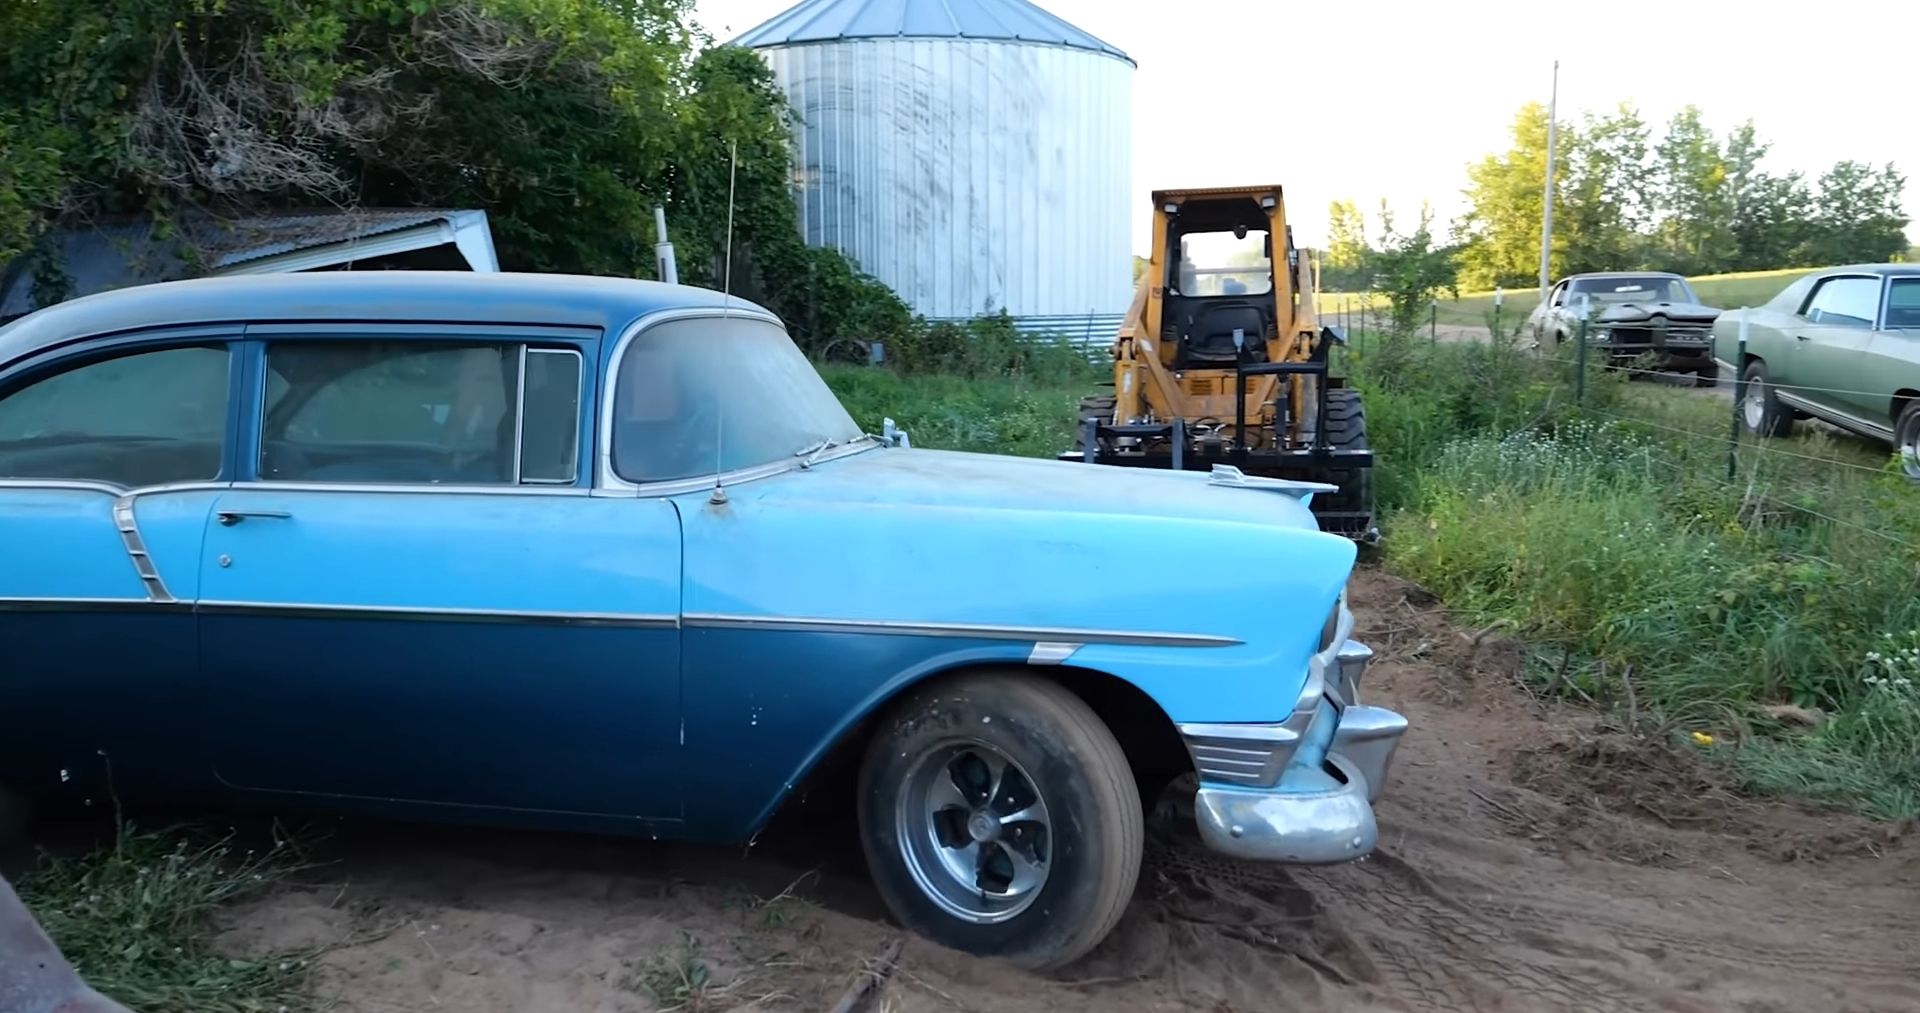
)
(1472, 309)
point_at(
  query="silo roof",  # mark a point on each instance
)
(1006, 20)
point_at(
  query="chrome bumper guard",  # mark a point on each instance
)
(1255, 802)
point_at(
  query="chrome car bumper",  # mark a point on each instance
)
(1300, 791)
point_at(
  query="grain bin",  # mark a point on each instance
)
(974, 156)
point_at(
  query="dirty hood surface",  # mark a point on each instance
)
(1641, 312)
(987, 482)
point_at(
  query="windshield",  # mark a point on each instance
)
(1221, 263)
(1642, 288)
(697, 397)
(1903, 304)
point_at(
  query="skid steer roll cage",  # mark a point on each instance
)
(1317, 453)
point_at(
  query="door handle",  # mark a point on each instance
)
(229, 518)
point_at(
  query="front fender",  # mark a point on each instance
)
(802, 618)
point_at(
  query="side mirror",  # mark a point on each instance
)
(894, 436)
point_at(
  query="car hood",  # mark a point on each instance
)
(1632, 312)
(988, 482)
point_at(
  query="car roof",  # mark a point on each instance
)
(456, 297)
(1625, 274)
(1893, 270)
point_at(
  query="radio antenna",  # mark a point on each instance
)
(719, 497)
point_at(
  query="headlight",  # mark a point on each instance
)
(1600, 336)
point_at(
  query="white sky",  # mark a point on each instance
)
(1393, 99)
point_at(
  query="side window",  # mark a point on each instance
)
(1903, 304)
(420, 412)
(1844, 302)
(135, 420)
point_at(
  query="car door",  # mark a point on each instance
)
(111, 455)
(413, 594)
(1829, 346)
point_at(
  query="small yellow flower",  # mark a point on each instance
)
(1702, 739)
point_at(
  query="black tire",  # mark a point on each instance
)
(1089, 842)
(1346, 429)
(1763, 414)
(1093, 408)
(1906, 439)
(1707, 375)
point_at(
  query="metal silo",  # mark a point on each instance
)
(974, 156)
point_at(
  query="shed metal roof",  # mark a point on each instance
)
(816, 21)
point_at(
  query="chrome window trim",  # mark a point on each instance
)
(519, 413)
(983, 631)
(608, 481)
(110, 489)
(579, 396)
(1831, 414)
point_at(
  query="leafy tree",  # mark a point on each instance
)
(1500, 233)
(1411, 269)
(1857, 215)
(1343, 266)
(567, 120)
(1601, 217)
(1691, 182)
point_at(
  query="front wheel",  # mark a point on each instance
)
(1761, 412)
(1906, 439)
(999, 817)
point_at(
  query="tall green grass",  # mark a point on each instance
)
(134, 919)
(1608, 530)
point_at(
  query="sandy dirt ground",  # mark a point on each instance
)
(1531, 859)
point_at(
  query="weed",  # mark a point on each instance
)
(1609, 532)
(133, 919)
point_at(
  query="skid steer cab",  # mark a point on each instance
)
(1221, 359)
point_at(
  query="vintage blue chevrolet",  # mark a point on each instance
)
(608, 555)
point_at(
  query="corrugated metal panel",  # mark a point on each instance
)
(839, 20)
(969, 176)
(1092, 333)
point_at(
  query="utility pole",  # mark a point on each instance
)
(1546, 214)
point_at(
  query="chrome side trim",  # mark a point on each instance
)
(721, 621)
(1251, 755)
(136, 547)
(1834, 415)
(406, 613)
(1052, 652)
(92, 605)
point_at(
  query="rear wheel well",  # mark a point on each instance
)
(1154, 749)
(1901, 398)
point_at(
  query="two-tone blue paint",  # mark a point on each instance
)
(595, 655)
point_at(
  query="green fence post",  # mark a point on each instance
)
(1433, 322)
(1739, 399)
(1580, 360)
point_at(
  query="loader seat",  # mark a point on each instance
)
(1209, 337)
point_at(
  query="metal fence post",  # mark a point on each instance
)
(1580, 367)
(1739, 399)
(1433, 322)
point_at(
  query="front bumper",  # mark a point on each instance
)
(1301, 791)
